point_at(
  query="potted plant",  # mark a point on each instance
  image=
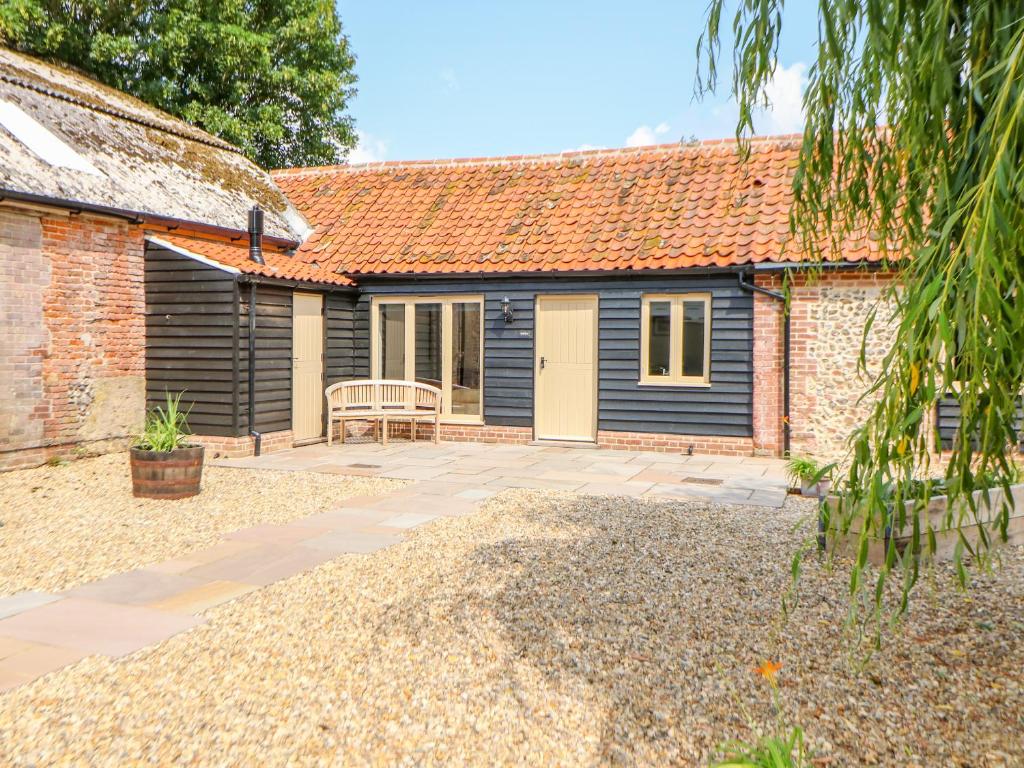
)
(808, 475)
(164, 464)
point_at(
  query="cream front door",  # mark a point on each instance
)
(307, 366)
(565, 370)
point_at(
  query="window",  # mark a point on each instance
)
(675, 339)
(433, 340)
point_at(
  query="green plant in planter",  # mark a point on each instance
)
(808, 474)
(165, 429)
(801, 469)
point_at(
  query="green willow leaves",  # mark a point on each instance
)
(914, 139)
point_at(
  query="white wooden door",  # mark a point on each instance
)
(307, 366)
(565, 371)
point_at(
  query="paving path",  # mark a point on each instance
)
(120, 614)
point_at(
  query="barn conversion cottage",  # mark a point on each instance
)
(628, 298)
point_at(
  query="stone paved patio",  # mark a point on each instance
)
(474, 471)
(125, 612)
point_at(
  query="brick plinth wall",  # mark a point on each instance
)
(240, 447)
(631, 441)
(72, 356)
(665, 443)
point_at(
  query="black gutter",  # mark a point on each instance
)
(533, 274)
(778, 296)
(138, 217)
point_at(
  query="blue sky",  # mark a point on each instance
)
(457, 79)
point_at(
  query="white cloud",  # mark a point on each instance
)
(368, 149)
(449, 80)
(785, 95)
(585, 148)
(645, 135)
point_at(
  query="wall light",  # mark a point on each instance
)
(506, 310)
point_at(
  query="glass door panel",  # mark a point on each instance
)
(428, 351)
(392, 341)
(466, 374)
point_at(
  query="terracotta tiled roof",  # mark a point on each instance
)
(662, 207)
(235, 255)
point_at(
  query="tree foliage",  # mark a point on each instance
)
(914, 136)
(270, 76)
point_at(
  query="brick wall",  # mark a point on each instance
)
(769, 322)
(73, 363)
(218, 447)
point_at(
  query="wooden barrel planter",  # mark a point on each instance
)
(167, 474)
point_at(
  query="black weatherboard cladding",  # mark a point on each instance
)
(273, 358)
(340, 343)
(190, 316)
(724, 408)
(948, 419)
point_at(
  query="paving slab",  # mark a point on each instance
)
(34, 660)
(353, 542)
(476, 494)
(276, 534)
(627, 488)
(262, 565)
(91, 626)
(345, 518)
(203, 597)
(536, 483)
(23, 601)
(408, 520)
(136, 587)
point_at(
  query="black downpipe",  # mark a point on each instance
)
(256, 254)
(257, 437)
(778, 296)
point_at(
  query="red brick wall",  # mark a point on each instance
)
(218, 447)
(74, 290)
(769, 314)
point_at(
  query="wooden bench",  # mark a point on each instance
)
(381, 401)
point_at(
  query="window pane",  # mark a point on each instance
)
(466, 358)
(693, 338)
(658, 333)
(392, 341)
(428, 344)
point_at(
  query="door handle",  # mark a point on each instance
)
(542, 361)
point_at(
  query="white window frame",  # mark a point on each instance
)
(675, 377)
(446, 301)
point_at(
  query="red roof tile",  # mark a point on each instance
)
(235, 255)
(662, 207)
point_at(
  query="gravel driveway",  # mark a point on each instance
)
(76, 522)
(547, 629)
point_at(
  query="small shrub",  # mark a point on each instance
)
(803, 469)
(165, 428)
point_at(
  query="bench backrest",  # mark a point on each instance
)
(377, 395)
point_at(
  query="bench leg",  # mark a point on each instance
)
(437, 429)
(384, 430)
(330, 429)
(412, 426)
(341, 429)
